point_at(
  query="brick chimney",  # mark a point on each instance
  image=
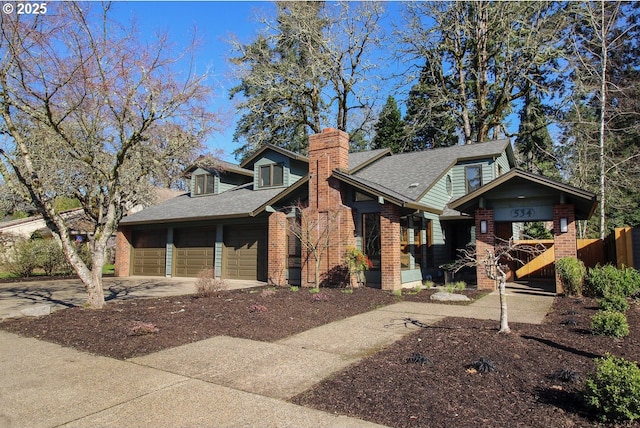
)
(327, 151)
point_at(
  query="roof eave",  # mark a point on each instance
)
(289, 190)
(394, 200)
(280, 150)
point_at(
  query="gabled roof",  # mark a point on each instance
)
(413, 174)
(276, 149)
(240, 201)
(359, 160)
(527, 184)
(216, 166)
(382, 191)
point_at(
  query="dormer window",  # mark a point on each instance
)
(272, 175)
(204, 184)
(473, 177)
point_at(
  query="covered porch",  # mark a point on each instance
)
(517, 197)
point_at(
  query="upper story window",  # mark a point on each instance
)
(473, 177)
(204, 184)
(271, 175)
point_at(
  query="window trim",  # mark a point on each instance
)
(272, 168)
(208, 185)
(466, 177)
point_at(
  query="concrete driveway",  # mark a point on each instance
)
(39, 297)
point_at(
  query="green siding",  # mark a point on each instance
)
(437, 197)
(271, 157)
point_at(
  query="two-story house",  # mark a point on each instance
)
(394, 207)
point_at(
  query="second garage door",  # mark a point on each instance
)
(244, 253)
(193, 250)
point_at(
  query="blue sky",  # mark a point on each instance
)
(214, 21)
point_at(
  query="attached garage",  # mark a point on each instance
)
(244, 253)
(193, 250)
(149, 252)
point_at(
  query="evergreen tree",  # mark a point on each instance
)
(390, 129)
(534, 142)
(308, 70)
(429, 123)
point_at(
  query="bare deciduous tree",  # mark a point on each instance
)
(494, 262)
(314, 230)
(84, 105)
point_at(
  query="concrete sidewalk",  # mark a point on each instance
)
(57, 294)
(218, 382)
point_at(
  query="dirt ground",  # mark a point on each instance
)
(424, 380)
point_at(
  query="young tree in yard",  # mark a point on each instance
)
(83, 106)
(495, 265)
(313, 229)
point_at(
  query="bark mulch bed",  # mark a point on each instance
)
(265, 314)
(427, 378)
(423, 380)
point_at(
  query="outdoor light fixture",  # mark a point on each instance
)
(483, 226)
(564, 225)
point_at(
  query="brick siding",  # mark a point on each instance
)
(391, 272)
(277, 249)
(484, 242)
(328, 151)
(565, 244)
(123, 252)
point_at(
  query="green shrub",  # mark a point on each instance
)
(51, 258)
(571, 272)
(614, 302)
(605, 280)
(23, 258)
(610, 323)
(613, 391)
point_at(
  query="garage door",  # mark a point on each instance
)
(149, 252)
(193, 250)
(244, 253)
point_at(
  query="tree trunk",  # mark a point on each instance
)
(502, 285)
(603, 106)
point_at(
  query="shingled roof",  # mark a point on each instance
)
(413, 174)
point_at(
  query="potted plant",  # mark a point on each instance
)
(357, 262)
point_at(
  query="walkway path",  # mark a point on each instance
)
(218, 382)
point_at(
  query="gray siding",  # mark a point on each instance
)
(458, 175)
(217, 251)
(437, 240)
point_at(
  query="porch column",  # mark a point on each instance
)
(123, 251)
(484, 241)
(277, 249)
(564, 243)
(390, 269)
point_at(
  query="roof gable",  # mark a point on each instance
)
(413, 174)
(519, 184)
(258, 154)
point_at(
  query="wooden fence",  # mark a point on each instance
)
(620, 248)
(590, 251)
